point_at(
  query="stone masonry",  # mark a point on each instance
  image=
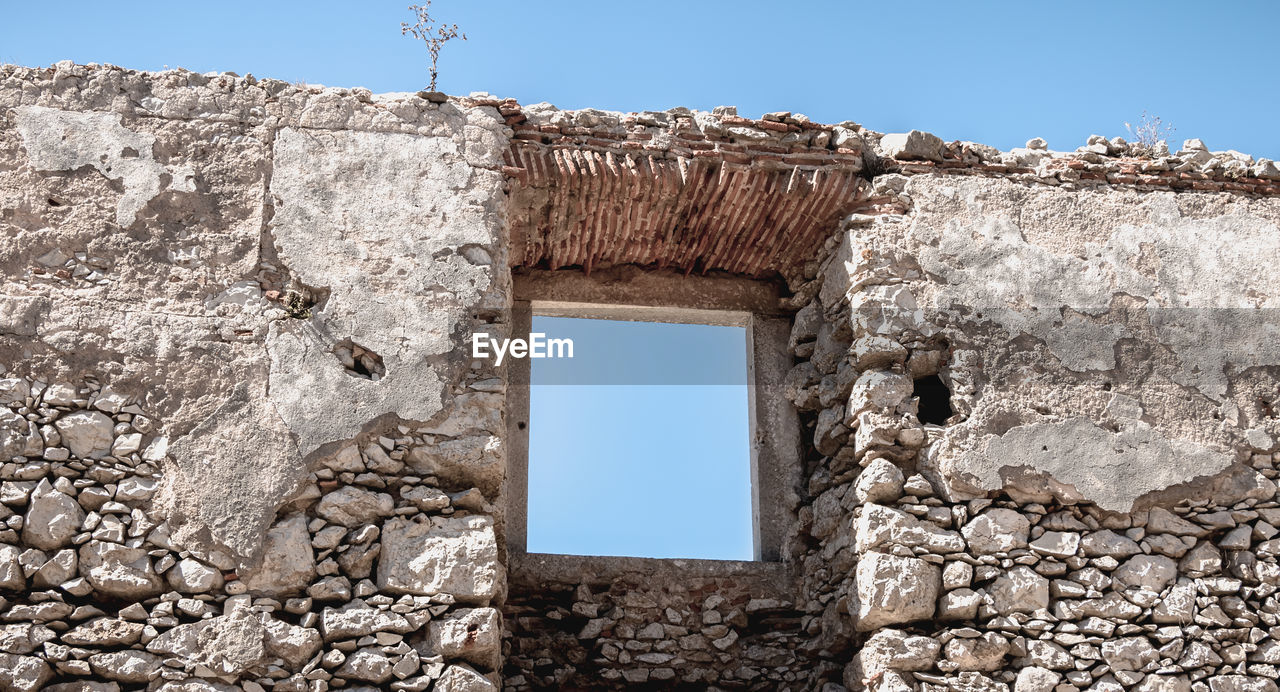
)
(243, 445)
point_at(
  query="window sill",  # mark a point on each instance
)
(772, 579)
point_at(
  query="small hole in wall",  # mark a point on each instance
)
(360, 361)
(935, 400)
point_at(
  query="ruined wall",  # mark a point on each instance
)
(243, 446)
(1098, 507)
(646, 621)
(240, 450)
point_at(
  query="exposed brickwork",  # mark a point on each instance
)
(752, 197)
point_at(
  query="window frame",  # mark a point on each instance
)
(655, 296)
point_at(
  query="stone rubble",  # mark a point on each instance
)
(94, 594)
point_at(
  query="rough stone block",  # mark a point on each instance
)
(912, 145)
(893, 590)
(457, 556)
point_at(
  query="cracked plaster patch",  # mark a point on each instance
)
(58, 140)
(1229, 321)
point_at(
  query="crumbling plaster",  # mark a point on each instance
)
(400, 200)
(1113, 341)
(401, 247)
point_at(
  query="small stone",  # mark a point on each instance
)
(24, 638)
(455, 555)
(1149, 572)
(328, 589)
(918, 486)
(912, 145)
(460, 678)
(136, 489)
(979, 653)
(1034, 678)
(126, 444)
(1108, 543)
(346, 460)
(1193, 145)
(426, 499)
(376, 460)
(960, 604)
(23, 673)
(57, 570)
(891, 649)
(227, 645)
(12, 576)
(128, 666)
(110, 401)
(295, 645)
(193, 576)
(351, 506)
(893, 589)
(119, 571)
(1161, 520)
(288, 564)
(87, 433)
(52, 519)
(1129, 653)
(61, 394)
(13, 390)
(368, 665)
(106, 632)
(470, 634)
(876, 352)
(880, 482)
(1204, 560)
(877, 390)
(357, 618)
(997, 530)
(1059, 544)
(957, 575)
(1020, 590)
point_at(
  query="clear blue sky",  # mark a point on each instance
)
(638, 445)
(993, 72)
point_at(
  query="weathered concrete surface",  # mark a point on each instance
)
(58, 140)
(1112, 469)
(398, 232)
(190, 215)
(1032, 259)
(1100, 345)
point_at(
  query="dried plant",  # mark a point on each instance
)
(1149, 131)
(435, 36)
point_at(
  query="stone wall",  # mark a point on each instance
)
(647, 621)
(1097, 506)
(243, 444)
(240, 451)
